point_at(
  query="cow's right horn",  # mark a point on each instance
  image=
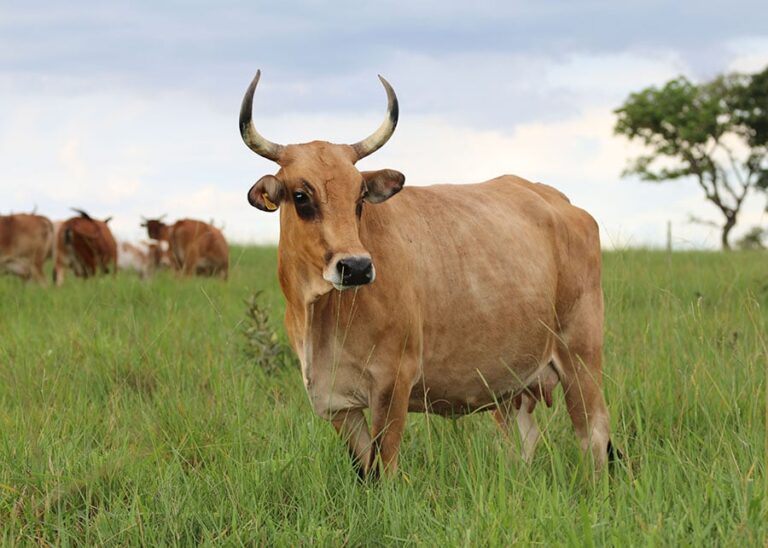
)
(251, 137)
(376, 140)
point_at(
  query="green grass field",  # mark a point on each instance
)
(130, 414)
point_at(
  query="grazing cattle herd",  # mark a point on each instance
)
(86, 247)
(446, 299)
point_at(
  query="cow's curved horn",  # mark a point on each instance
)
(377, 139)
(256, 142)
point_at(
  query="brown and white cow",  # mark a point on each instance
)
(145, 258)
(86, 246)
(195, 247)
(446, 299)
(26, 241)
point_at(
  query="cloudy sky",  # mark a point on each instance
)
(130, 109)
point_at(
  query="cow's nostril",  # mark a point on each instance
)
(355, 270)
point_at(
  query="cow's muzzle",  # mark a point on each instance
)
(351, 272)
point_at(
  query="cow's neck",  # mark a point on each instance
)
(164, 234)
(308, 296)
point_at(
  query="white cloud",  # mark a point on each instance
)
(130, 154)
(748, 54)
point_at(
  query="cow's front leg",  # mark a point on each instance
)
(389, 411)
(353, 429)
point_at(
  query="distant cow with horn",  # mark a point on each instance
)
(195, 247)
(26, 241)
(86, 246)
(448, 299)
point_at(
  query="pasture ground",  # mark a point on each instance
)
(129, 414)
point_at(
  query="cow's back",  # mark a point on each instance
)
(25, 235)
(25, 244)
(86, 245)
(6, 234)
(199, 242)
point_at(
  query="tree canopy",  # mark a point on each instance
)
(714, 132)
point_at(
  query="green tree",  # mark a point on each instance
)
(750, 107)
(752, 239)
(713, 132)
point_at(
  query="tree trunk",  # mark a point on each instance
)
(729, 224)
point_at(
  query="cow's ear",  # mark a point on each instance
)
(267, 193)
(381, 185)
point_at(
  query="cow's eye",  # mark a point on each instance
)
(304, 206)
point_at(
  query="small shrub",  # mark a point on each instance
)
(261, 342)
(753, 239)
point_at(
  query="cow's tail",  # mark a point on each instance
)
(614, 455)
(60, 254)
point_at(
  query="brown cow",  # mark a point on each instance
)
(86, 246)
(195, 247)
(25, 243)
(485, 295)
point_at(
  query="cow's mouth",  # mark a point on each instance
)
(345, 287)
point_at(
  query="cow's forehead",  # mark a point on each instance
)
(319, 163)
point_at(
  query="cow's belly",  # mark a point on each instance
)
(471, 380)
(15, 265)
(468, 389)
(477, 352)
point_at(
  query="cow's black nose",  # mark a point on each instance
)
(355, 270)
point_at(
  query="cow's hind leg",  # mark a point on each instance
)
(189, 267)
(526, 424)
(353, 429)
(58, 273)
(37, 273)
(579, 357)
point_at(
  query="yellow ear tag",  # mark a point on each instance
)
(271, 206)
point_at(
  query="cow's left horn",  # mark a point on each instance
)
(256, 142)
(377, 139)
